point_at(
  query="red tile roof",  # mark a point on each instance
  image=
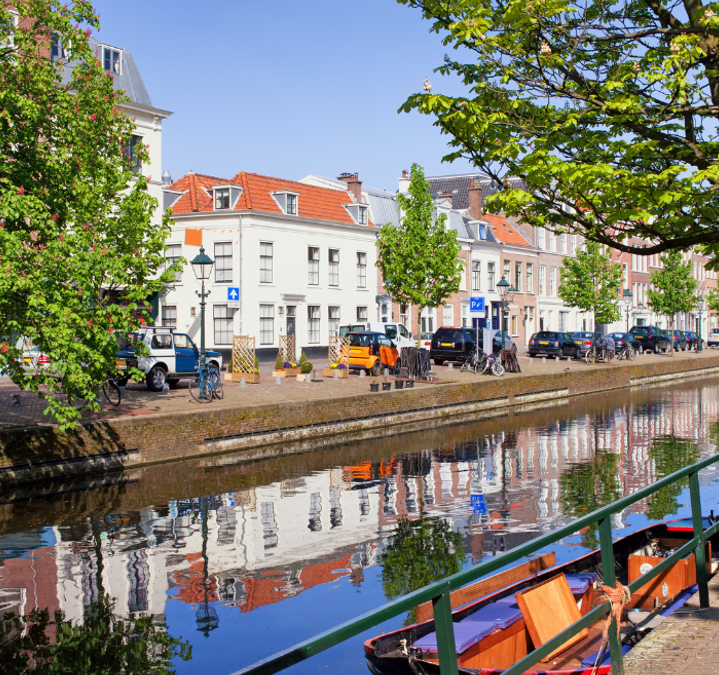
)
(504, 231)
(313, 202)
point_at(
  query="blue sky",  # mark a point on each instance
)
(286, 88)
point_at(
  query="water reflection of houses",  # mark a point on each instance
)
(258, 546)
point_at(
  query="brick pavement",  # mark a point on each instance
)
(139, 401)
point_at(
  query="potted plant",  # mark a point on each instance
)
(398, 384)
(340, 368)
(386, 384)
(374, 385)
(409, 384)
(305, 368)
(284, 368)
(251, 372)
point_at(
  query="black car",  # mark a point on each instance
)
(451, 344)
(680, 341)
(692, 339)
(552, 343)
(621, 340)
(652, 338)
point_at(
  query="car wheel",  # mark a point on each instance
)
(438, 362)
(156, 379)
(656, 349)
(376, 368)
(397, 366)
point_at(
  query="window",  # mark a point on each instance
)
(292, 205)
(361, 269)
(169, 315)
(172, 253)
(542, 274)
(313, 324)
(552, 281)
(507, 274)
(562, 245)
(490, 276)
(10, 30)
(574, 244)
(404, 314)
(541, 235)
(448, 315)
(514, 325)
(334, 267)
(112, 60)
(265, 263)
(222, 198)
(313, 265)
(224, 324)
(463, 275)
(465, 314)
(518, 277)
(362, 215)
(361, 314)
(563, 321)
(530, 278)
(267, 324)
(333, 314)
(223, 263)
(476, 275)
(165, 341)
(130, 151)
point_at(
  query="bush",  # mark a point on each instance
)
(303, 358)
(279, 362)
(257, 365)
(306, 366)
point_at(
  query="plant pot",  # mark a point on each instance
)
(228, 377)
(409, 384)
(330, 372)
(374, 387)
(399, 384)
(250, 378)
(386, 386)
(286, 372)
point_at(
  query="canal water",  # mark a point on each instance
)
(241, 560)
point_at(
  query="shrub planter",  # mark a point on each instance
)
(386, 386)
(374, 387)
(286, 372)
(398, 384)
(250, 378)
(409, 384)
(341, 372)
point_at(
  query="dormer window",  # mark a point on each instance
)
(287, 201)
(112, 60)
(225, 196)
(359, 213)
(362, 217)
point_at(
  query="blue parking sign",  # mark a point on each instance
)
(476, 305)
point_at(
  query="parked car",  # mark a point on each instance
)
(680, 341)
(584, 339)
(713, 338)
(172, 356)
(622, 340)
(394, 330)
(451, 344)
(33, 359)
(692, 339)
(423, 340)
(370, 351)
(652, 338)
(553, 343)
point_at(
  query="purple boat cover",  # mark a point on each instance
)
(500, 614)
(465, 635)
(579, 583)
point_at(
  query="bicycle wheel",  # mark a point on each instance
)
(200, 391)
(631, 354)
(216, 385)
(589, 356)
(111, 391)
(497, 369)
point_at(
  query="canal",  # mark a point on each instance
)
(241, 560)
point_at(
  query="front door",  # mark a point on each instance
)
(186, 354)
(495, 316)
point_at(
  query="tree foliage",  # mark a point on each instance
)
(606, 112)
(419, 259)
(76, 225)
(672, 288)
(669, 454)
(591, 282)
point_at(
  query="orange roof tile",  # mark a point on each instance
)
(313, 202)
(504, 231)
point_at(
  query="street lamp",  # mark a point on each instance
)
(506, 295)
(700, 309)
(202, 267)
(627, 303)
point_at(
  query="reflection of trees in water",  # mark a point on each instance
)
(587, 486)
(421, 551)
(104, 643)
(669, 454)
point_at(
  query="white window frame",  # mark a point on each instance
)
(176, 248)
(313, 266)
(361, 314)
(333, 319)
(221, 195)
(223, 273)
(314, 318)
(361, 269)
(333, 267)
(112, 50)
(552, 282)
(266, 271)
(362, 215)
(169, 315)
(529, 277)
(542, 280)
(226, 317)
(267, 324)
(518, 277)
(491, 276)
(476, 275)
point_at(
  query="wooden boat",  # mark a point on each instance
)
(499, 620)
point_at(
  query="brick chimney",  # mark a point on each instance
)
(446, 195)
(475, 201)
(354, 185)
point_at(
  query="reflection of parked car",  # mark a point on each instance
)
(584, 340)
(423, 340)
(172, 356)
(680, 341)
(652, 338)
(713, 338)
(371, 351)
(451, 344)
(552, 343)
(692, 339)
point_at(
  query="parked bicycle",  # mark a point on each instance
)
(492, 365)
(207, 385)
(112, 391)
(474, 361)
(602, 356)
(626, 353)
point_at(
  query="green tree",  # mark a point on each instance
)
(77, 231)
(669, 454)
(421, 551)
(672, 289)
(606, 112)
(587, 486)
(419, 259)
(591, 282)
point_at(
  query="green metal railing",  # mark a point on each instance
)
(439, 591)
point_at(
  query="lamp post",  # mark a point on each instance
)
(627, 303)
(700, 309)
(506, 295)
(202, 267)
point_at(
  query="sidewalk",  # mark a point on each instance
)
(139, 401)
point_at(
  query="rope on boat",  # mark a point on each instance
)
(619, 596)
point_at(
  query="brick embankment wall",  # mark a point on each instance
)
(298, 426)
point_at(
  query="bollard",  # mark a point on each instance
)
(335, 375)
(362, 373)
(531, 360)
(449, 366)
(278, 379)
(544, 359)
(386, 372)
(308, 377)
(165, 388)
(243, 382)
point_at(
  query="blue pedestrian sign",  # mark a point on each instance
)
(476, 305)
(233, 295)
(478, 504)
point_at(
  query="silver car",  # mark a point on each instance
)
(713, 338)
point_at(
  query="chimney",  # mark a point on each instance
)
(404, 181)
(475, 201)
(354, 185)
(446, 195)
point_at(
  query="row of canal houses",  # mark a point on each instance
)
(299, 256)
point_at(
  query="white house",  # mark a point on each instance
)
(290, 258)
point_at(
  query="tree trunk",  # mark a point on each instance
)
(671, 335)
